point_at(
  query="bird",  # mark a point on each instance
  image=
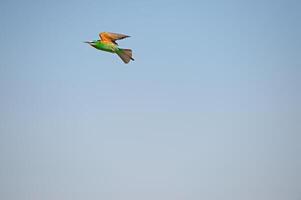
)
(108, 43)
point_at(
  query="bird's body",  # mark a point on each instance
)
(108, 43)
(106, 46)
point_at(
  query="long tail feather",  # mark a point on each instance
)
(125, 55)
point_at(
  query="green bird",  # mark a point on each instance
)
(108, 43)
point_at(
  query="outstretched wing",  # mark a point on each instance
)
(111, 37)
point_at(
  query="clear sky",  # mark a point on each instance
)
(210, 109)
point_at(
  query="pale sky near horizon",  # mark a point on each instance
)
(210, 108)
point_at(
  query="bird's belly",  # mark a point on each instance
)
(108, 48)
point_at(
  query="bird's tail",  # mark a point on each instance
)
(125, 55)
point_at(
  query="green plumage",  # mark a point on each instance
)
(104, 46)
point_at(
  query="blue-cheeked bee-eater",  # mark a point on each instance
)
(108, 43)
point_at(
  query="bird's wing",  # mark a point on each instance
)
(111, 37)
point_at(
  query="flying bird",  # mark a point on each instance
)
(108, 43)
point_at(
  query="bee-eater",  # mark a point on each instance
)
(108, 43)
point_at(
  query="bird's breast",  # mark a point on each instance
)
(106, 47)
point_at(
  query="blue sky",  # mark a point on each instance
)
(209, 109)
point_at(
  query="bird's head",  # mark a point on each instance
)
(92, 43)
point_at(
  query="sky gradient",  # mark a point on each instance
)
(210, 108)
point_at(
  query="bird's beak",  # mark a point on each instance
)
(88, 42)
